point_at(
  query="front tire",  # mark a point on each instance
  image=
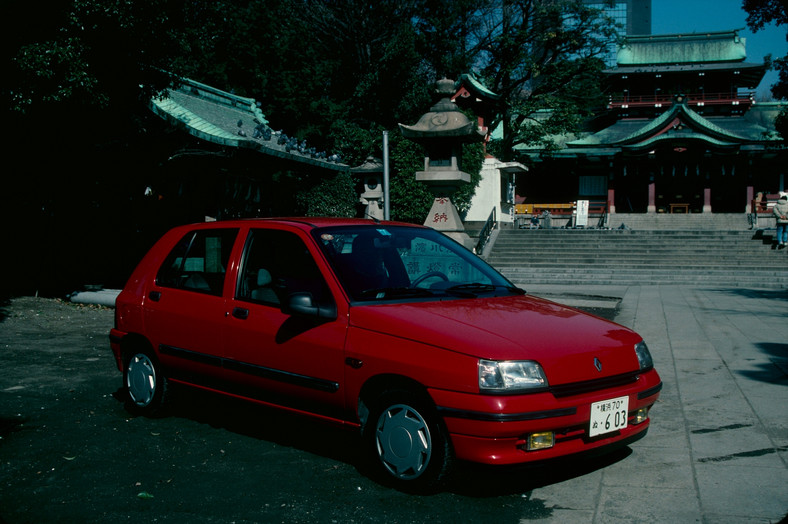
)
(407, 442)
(145, 384)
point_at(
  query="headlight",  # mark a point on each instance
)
(510, 376)
(644, 356)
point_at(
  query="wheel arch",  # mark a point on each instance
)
(134, 342)
(377, 385)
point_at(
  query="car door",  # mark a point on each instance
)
(185, 309)
(272, 356)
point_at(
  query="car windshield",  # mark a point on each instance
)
(384, 262)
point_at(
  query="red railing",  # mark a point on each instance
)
(765, 204)
(693, 99)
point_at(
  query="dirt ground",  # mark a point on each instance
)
(69, 452)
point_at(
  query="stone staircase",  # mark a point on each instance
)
(744, 258)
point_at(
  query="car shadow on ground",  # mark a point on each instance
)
(345, 445)
(477, 480)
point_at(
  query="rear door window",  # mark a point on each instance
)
(199, 261)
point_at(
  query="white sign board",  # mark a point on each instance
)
(581, 220)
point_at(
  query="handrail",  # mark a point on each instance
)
(602, 219)
(486, 232)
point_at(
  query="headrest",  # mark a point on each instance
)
(263, 277)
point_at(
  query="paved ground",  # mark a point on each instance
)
(717, 450)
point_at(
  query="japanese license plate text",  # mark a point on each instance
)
(608, 416)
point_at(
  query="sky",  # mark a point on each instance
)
(693, 16)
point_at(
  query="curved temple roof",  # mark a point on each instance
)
(233, 121)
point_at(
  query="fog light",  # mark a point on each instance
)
(640, 415)
(542, 440)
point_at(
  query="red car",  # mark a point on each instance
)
(391, 329)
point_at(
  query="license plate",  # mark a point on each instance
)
(608, 416)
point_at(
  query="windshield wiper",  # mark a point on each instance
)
(470, 290)
(475, 288)
(391, 292)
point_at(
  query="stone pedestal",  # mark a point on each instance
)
(444, 217)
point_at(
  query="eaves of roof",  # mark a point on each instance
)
(628, 133)
(228, 120)
(475, 86)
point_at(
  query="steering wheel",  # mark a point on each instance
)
(429, 274)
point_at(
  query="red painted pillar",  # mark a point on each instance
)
(707, 200)
(611, 201)
(652, 197)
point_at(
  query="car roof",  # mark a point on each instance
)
(305, 223)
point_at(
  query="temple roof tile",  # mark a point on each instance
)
(719, 46)
(229, 120)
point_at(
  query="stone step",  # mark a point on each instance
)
(656, 271)
(766, 279)
(752, 283)
(644, 265)
(622, 257)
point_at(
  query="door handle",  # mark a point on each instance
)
(155, 295)
(240, 313)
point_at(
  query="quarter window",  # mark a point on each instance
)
(199, 261)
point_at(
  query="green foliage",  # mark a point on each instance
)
(472, 160)
(544, 60)
(97, 54)
(335, 73)
(761, 13)
(410, 200)
(764, 12)
(334, 197)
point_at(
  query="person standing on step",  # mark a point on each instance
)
(780, 211)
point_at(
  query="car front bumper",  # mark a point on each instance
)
(495, 429)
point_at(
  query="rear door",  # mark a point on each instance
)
(276, 357)
(185, 309)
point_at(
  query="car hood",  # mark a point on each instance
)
(565, 341)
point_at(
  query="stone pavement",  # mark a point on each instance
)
(717, 449)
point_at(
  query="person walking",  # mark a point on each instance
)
(780, 211)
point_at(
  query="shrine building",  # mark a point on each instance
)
(682, 133)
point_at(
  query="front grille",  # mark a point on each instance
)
(578, 388)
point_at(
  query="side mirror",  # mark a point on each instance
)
(303, 305)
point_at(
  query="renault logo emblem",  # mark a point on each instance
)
(597, 364)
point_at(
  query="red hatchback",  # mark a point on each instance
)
(392, 329)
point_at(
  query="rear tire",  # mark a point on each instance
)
(144, 382)
(407, 442)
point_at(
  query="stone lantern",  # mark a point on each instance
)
(443, 130)
(371, 174)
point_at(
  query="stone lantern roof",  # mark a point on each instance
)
(444, 120)
(370, 165)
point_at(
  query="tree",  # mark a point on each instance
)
(98, 54)
(761, 13)
(544, 59)
(79, 74)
